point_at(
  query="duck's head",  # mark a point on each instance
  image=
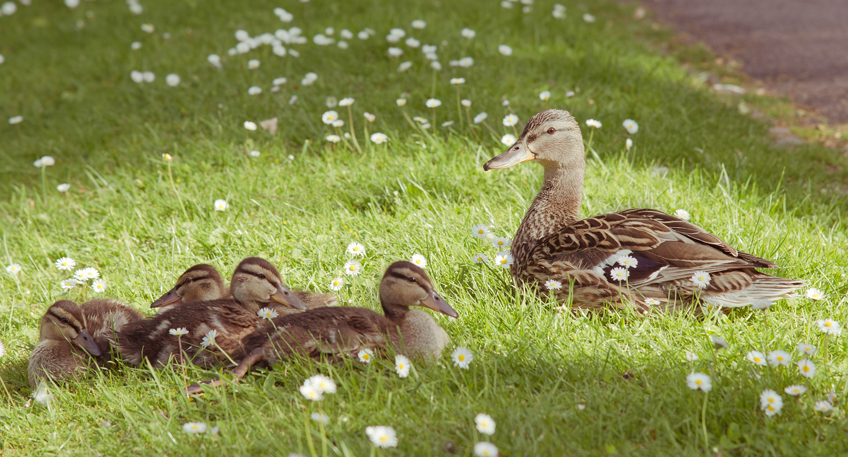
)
(256, 283)
(551, 138)
(199, 283)
(405, 284)
(64, 322)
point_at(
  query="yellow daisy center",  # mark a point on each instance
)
(698, 382)
(806, 368)
(461, 357)
(756, 359)
(828, 324)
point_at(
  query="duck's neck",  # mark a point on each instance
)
(557, 206)
(414, 332)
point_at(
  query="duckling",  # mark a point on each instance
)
(65, 346)
(215, 328)
(641, 257)
(199, 283)
(343, 331)
(256, 270)
(104, 318)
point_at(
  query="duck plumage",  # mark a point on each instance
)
(641, 257)
(65, 349)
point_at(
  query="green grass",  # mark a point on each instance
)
(421, 193)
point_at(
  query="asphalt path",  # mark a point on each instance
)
(798, 48)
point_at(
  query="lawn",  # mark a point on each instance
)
(556, 383)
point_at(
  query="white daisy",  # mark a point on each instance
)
(382, 436)
(815, 294)
(501, 242)
(338, 123)
(42, 395)
(505, 50)
(178, 331)
(253, 64)
(457, 81)
(628, 261)
(401, 102)
(462, 357)
(588, 18)
(279, 81)
(508, 139)
(756, 357)
(829, 326)
(333, 138)
(365, 355)
(250, 125)
(352, 267)
(221, 205)
(337, 283)
(323, 383)
(311, 392)
(807, 368)
(485, 424)
(209, 338)
(172, 80)
(468, 33)
(593, 123)
(68, 284)
(2, 350)
(778, 358)
(419, 260)
(66, 263)
(795, 390)
(148, 76)
(762, 304)
(379, 138)
(466, 62)
(701, 279)
(86, 273)
(64, 187)
(559, 11)
(807, 349)
(418, 24)
(628, 143)
(631, 126)
(254, 154)
(395, 52)
(194, 427)
(485, 449)
(215, 60)
(329, 117)
(509, 120)
(402, 365)
(135, 45)
(98, 285)
(412, 42)
(356, 249)
(320, 417)
(823, 406)
(698, 380)
(619, 274)
(479, 230)
(147, 28)
(267, 313)
(553, 284)
(480, 118)
(433, 103)
(545, 95)
(691, 356)
(682, 214)
(652, 301)
(254, 90)
(504, 259)
(771, 402)
(369, 116)
(14, 120)
(466, 103)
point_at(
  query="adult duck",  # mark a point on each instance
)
(638, 257)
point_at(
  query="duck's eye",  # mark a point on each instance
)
(64, 320)
(261, 276)
(411, 279)
(551, 131)
(188, 280)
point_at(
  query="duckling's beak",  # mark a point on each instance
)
(85, 341)
(284, 296)
(169, 298)
(513, 156)
(437, 303)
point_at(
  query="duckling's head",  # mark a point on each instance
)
(64, 322)
(256, 283)
(199, 283)
(405, 284)
(551, 138)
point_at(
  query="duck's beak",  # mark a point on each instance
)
(514, 155)
(85, 341)
(284, 296)
(437, 303)
(169, 298)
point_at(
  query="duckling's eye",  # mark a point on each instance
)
(411, 279)
(188, 280)
(551, 131)
(261, 276)
(64, 320)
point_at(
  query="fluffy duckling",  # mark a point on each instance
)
(214, 328)
(65, 346)
(256, 270)
(344, 331)
(638, 256)
(104, 318)
(199, 283)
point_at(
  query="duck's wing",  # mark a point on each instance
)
(665, 250)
